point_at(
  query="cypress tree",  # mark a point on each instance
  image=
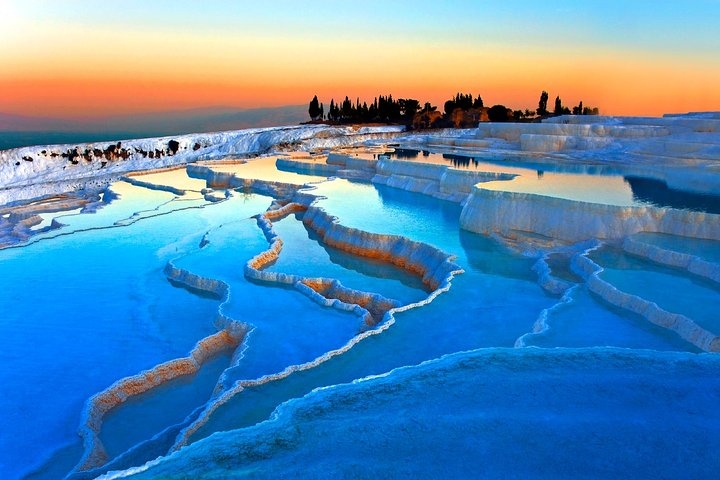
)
(542, 104)
(314, 108)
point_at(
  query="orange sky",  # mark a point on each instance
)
(76, 63)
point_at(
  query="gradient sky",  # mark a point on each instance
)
(89, 58)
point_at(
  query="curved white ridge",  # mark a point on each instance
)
(685, 327)
(434, 266)
(691, 263)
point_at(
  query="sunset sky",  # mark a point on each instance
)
(93, 58)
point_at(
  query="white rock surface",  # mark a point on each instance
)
(38, 172)
(489, 211)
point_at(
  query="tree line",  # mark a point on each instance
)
(461, 111)
(382, 109)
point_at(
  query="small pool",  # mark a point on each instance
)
(580, 188)
(706, 249)
(583, 183)
(263, 168)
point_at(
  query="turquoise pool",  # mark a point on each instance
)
(89, 302)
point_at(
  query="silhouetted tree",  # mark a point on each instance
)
(314, 108)
(499, 113)
(365, 112)
(578, 110)
(464, 101)
(458, 110)
(542, 104)
(372, 111)
(346, 111)
(478, 103)
(461, 110)
(408, 108)
(382, 109)
(449, 107)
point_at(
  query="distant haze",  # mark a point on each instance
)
(174, 122)
(17, 131)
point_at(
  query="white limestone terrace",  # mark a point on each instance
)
(660, 148)
(672, 164)
(652, 146)
(681, 151)
(37, 171)
(688, 167)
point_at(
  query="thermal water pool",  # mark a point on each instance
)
(581, 182)
(493, 303)
(495, 299)
(84, 309)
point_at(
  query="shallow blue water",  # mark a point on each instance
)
(489, 413)
(493, 303)
(88, 304)
(692, 297)
(79, 312)
(287, 327)
(146, 415)
(586, 183)
(706, 249)
(585, 322)
(303, 254)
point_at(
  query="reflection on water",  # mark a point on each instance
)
(263, 168)
(176, 177)
(609, 190)
(658, 193)
(587, 183)
(462, 162)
